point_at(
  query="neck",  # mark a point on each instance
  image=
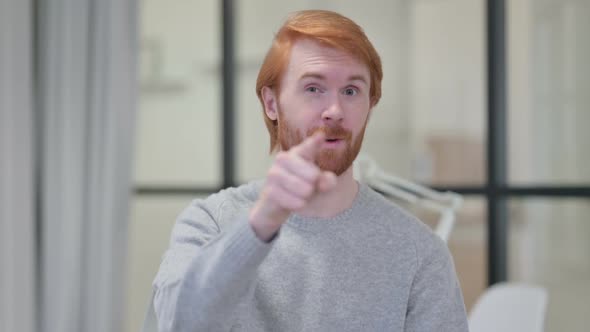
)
(331, 203)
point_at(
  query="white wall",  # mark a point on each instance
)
(178, 142)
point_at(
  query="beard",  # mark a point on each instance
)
(336, 160)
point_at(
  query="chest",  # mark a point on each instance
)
(315, 283)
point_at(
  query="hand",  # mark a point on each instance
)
(292, 181)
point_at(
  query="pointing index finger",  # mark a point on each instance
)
(310, 146)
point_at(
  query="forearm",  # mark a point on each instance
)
(205, 295)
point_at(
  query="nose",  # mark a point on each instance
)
(333, 112)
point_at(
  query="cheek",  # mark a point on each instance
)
(357, 120)
(301, 114)
(357, 110)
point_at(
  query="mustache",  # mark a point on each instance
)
(331, 132)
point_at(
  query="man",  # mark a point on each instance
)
(309, 248)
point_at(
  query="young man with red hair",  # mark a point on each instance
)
(309, 248)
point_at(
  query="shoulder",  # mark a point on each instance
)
(386, 213)
(404, 228)
(221, 206)
(204, 218)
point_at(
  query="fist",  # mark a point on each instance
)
(291, 182)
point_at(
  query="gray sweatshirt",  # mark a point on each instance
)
(371, 268)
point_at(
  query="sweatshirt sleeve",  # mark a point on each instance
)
(206, 271)
(436, 302)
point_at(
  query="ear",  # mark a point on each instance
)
(270, 103)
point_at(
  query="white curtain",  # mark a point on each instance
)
(17, 194)
(88, 97)
(81, 61)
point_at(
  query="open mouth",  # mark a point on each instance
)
(333, 142)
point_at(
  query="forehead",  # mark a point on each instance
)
(309, 56)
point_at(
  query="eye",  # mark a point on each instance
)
(313, 89)
(350, 91)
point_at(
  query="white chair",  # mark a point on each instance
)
(509, 307)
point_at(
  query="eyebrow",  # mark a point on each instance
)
(323, 78)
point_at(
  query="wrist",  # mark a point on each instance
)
(266, 219)
(264, 230)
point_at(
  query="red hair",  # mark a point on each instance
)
(325, 27)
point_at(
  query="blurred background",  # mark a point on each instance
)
(490, 99)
